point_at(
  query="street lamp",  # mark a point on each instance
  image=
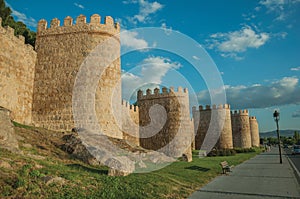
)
(276, 118)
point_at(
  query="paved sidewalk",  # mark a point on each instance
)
(259, 177)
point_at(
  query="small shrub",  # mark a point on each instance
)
(35, 173)
(24, 171)
(7, 190)
(221, 152)
(20, 182)
(244, 150)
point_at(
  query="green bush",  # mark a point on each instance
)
(244, 150)
(221, 152)
(35, 173)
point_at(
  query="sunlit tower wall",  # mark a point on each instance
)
(254, 131)
(60, 52)
(175, 137)
(202, 119)
(225, 141)
(241, 129)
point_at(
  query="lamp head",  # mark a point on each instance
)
(276, 115)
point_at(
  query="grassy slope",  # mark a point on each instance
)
(25, 177)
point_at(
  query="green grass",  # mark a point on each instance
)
(177, 180)
(16, 124)
(26, 177)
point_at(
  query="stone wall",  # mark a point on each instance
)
(174, 138)
(17, 61)
(221, 122)
(61, 51)
(254, 131)
(8, 138)
(241, 129)
(130, 123)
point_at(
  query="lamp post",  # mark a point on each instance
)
(276, 118)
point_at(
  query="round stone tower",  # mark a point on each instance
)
(254, 131)
(241, 129)
(221, 123)
(225, 140)
(201, 119)
(172, 132)
(61, 50)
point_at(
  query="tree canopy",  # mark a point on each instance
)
(20, 27)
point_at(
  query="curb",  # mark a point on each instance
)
(297, 173)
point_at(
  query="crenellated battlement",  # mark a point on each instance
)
(240, 113)
(9, 32)
(81, 25)
(252, 118)
(129, 106)
(163, 93)
(213, 107)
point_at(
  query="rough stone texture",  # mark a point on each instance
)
(56, 180)
(120, 166)
(61, 51)
(187, 156)
(193, 145)
(5, 165)
(175, 135)
(225, 140)
(130, 123)
(17, 62)
(73, 145)
(201, 124)
(241, 129)
(221, 122)
(254, 131)
(8, 138)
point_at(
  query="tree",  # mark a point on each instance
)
(20, 27)
(296, 137)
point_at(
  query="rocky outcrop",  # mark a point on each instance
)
(74, 146)
(121, 157)
(8, 138)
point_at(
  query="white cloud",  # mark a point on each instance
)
(281, 92)
(29, 21)
(295, 69)
(195, 57)
(281, 8)
(130, 39)
(146, 9)
(79, 5)
(232, 43)
(296, 113)
(149, 73)
(272, 5)
(168, 30)
(130, 2)
(257, 8)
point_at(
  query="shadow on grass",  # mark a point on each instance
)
(197, 168)
(103, 171)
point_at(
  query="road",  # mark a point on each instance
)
(294, 158)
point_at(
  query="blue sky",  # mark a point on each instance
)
(255, 45)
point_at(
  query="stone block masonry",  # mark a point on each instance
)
(61, 51)
(130, 123)
(175, 136)
(254, 131)
(202, 119)
(17, 61)
(241, 129)
(238, 130)
(37, 86)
